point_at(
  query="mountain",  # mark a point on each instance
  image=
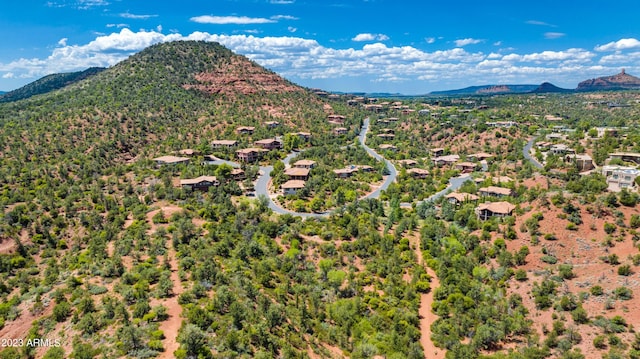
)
(547, 87)
(621, 81)
(488, 90)
(48, 83)
(169, 89)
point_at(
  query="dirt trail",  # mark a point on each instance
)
(427, 317)
(171, 326)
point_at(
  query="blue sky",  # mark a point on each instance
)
(409, 47)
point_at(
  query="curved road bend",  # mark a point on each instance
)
(526, 151)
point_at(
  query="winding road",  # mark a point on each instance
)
(526, 151)
(262, 183)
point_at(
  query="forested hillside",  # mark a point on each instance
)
(47, 84)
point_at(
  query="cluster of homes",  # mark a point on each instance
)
(617, 176)
(201, 183)
(260, 147)
(297, 176)
(485, 210)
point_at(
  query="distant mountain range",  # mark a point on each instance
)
(621, 81)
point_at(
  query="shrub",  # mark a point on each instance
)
(625, 270)
(600, 342)
(549, 259)
(609, 228)
(623, 293)
(596, 290)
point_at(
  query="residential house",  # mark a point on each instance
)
(373, 107)
(561, 149)
(386, 136)
(437, 152)
(272, 124)
(555, 137)
(295, 173)
(446, 160)
(340, 131)
(245, 130)
(238, 174)
(610, 131)
(387, 130)
(408, 163)
(502, 124)
(306, 136)
(202, 183)
(365, 168)
(345, 172)
(309, 164)
(583, 162)
(494, 209)
(466, 167)
(171, 160)
(418, 173)
(188, 152)
(552, 118)
(458, 198)
(480, 156)
(386, 146)
(250, 154)
(336, 119)
(626, 156)
(224, 143)
(495, 191)
(292, 186)
(269, 144)
(619, 177)
(544, 145)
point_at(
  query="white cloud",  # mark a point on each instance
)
(430, 40)
(539, 23)
(308, 62)
(554, 35)
(370, 37)
(465, 42)
(283, 17)
(574, 55)
(117, 25)
(127, 15)
(224, 20)
(282, 2)
(63, 41)
(292, 29)
(622, 44)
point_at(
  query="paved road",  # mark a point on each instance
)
(526, 151)
(393, 173)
